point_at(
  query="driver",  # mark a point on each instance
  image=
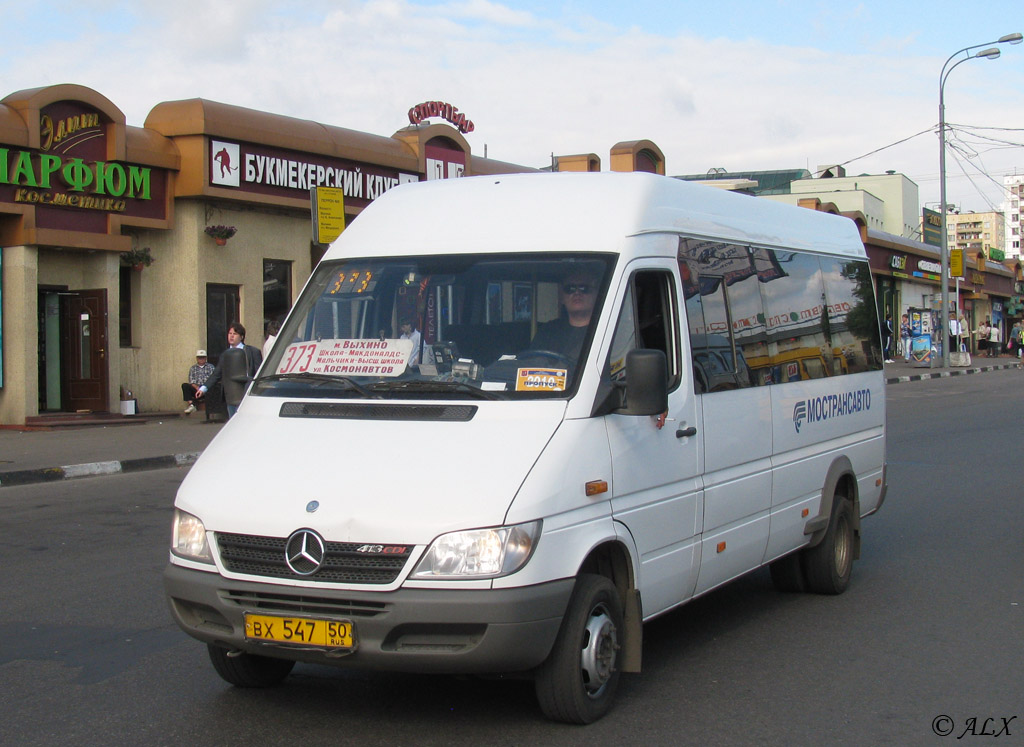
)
(577, 293)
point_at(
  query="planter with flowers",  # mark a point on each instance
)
(137, 258)
(220, 234)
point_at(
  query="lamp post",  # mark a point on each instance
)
(990, 54)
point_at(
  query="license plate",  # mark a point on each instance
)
(303, 631)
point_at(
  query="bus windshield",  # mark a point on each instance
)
(449, 326)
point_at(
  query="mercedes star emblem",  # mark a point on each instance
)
(304, 552)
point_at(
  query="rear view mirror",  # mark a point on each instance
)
(646, 383)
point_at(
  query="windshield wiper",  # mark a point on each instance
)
(323, 379)
(436, 386)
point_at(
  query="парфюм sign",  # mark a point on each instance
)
(45, 179)
(69, 177)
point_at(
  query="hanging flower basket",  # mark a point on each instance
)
(220, 234)
(137, 258)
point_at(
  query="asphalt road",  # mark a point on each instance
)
(929, 636)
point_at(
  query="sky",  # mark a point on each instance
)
(741, 86)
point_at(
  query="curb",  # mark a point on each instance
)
(95, 469)
(945, 374)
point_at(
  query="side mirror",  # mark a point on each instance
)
(646, 383)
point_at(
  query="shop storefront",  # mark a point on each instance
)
(123, 249)
(114, 265)
(908, 276)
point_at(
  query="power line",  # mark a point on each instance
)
(879, 150)
(961, 145)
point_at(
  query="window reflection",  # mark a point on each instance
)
(759, 316)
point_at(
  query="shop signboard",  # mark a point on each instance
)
(277, 172)
(444, 110)
(328, 213)
(70, 181)
(956, 263)
(931, 227)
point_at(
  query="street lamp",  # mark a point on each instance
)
(990, 54)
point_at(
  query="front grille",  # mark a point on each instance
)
(301, 604)
(265, 556)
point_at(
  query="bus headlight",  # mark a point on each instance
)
(188, 538)
(479, 553)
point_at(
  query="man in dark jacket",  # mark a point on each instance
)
(235, 369)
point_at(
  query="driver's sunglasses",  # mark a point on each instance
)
(570, 288)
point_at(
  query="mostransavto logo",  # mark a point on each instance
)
(828, 406)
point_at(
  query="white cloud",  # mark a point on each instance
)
(532, 85)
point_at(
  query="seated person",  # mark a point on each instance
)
(409, 332)
(197, 376)
(565, 335)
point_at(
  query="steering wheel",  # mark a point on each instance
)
(557, 357)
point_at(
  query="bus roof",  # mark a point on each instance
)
(580, 212)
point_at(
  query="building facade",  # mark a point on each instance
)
(906, 270)
(83, 196)
(976, 232)
(114, 266)
(1014, 191)
(889, 201)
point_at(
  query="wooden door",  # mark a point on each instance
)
(84, 368)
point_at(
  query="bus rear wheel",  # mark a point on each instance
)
(828, 565)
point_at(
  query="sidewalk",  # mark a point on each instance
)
(42, 456)
(900, 371)
(60, 454)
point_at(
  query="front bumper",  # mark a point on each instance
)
(408, 630)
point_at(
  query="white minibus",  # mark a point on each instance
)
(511, 418)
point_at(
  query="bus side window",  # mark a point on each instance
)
(647, 320)
(723, 312)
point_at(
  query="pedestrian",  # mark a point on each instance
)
(197, 376)
(272, 329)
(954, 333)
(905, 334)
(982, 333)
(994, 339)
(888, 338)
(236, 368)
(1013, 339)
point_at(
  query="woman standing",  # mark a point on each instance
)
(994, 340)
(905, 335)
(982, 333)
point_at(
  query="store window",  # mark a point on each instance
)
(222, 308)
(124, 309)
(277, 291)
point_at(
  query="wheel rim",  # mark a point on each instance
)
(597, 656)
(842, 546)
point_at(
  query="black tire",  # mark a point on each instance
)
(788, 574)
(249, 670)
(577, 683)
(828, 565)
